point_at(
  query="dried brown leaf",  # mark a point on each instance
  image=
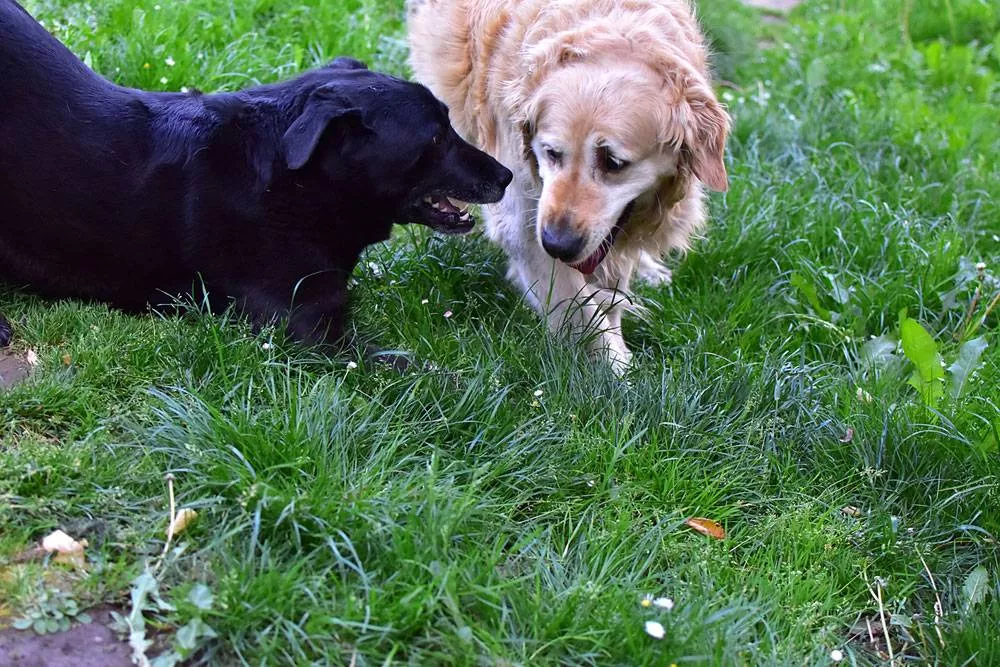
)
(707, 527)
(183, 519)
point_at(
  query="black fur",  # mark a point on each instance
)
(5, 332)
(266, 196)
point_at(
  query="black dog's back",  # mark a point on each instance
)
(74, 174)
(267, 195)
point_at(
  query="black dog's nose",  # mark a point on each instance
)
(506, 176)
(561, 242)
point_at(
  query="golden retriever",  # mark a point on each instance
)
(604, 111)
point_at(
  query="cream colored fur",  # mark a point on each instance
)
(552, 88)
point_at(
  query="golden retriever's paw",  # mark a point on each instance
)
(653, 272)
(612, 350)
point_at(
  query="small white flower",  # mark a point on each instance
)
(156, 8)
(31, 358)
(836, 655)
(351, 365)
(647, 600)
(981, 266)
(424, 302)
(265, 346)
(655, 630)
(170, 61)
(375, 269)
(185, 89)
(201, 56)
(591, 484)
(163, 80)
(538, 393)
(664, 603)
(447, 314)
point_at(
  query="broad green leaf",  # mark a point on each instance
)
(840, 293)
(920, 348)
(84, 618)
(808, 290)
(967, 361)
(974, 588)
(187, 636)
(22, 624)
(878, 351)
(201, 597)
(168, 659)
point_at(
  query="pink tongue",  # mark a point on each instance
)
(589, 265)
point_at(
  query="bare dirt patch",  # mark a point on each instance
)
(13, 369)
(91, 644)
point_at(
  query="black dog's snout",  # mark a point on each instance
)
(505, 176)
(501, 178)
(561, 242)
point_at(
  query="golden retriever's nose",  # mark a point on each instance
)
(560, 240)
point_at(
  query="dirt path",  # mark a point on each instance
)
(86, 645)
(12, 369)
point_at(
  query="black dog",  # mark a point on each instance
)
(266, 196)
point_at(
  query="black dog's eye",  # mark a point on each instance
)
(438, 139)
(553, 155)
(610, 163)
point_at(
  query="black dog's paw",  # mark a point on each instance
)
(5, 332)
(398, 360)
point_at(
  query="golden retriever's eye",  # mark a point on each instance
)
(553, 155)
(611, 163)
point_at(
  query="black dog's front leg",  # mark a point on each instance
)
(5, 332)
(314, 307)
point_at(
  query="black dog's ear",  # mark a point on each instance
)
(345, 62)
(304, 133)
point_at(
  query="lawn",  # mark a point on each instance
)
(508, 502)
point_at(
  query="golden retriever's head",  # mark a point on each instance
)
(615, 143)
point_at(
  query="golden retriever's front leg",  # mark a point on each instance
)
(570, 305)
(653, 271)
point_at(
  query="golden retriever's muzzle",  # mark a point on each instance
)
(561, 239)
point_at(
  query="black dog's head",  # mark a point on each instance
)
(392, 139)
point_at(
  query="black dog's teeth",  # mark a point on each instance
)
(445, 205)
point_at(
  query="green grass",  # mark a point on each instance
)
(450, 515)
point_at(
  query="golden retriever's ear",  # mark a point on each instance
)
(708, 143)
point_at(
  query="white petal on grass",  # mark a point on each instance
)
(163, 80)
(351, 365)
(448, 314)
(664, 603)
(655, 630)
(836, 655)
(538, 393)
(170, 61)
(31, 358)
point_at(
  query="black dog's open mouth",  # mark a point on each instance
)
(443, 215)
(589, 265)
